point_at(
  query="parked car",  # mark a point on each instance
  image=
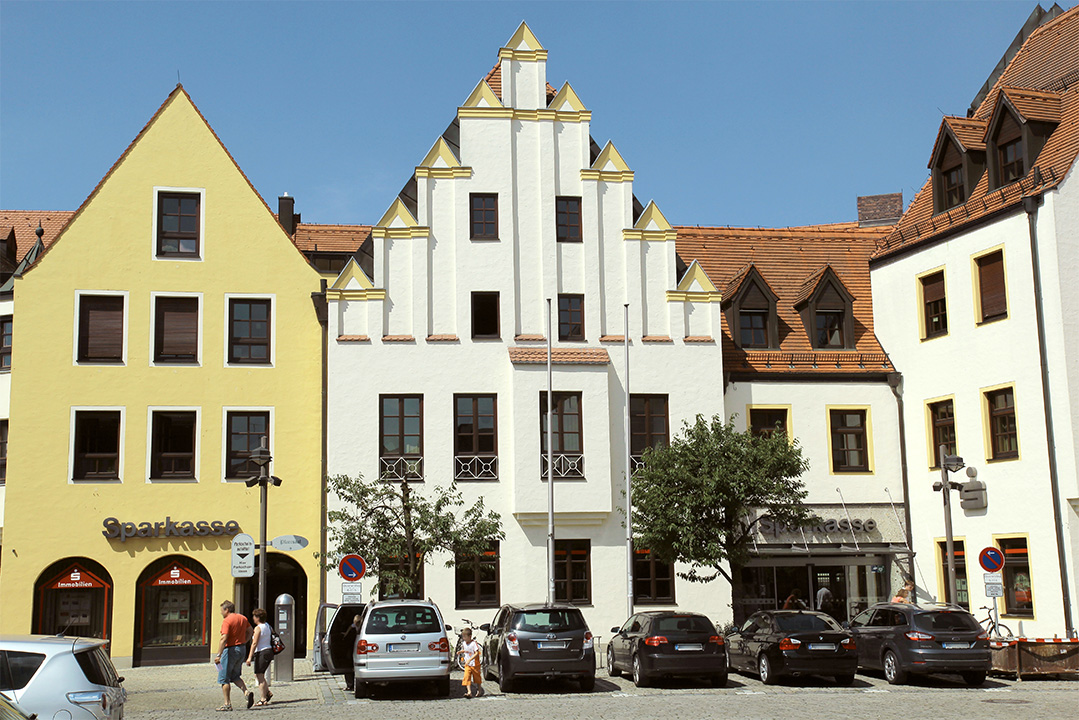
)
(651, 645)
(11, 710)
(61, 676)
(901, 638)
(330, 653)
(548, 641)
(793, 642)
(402, 641)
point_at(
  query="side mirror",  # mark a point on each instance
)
(449, 627)
(615, 630)
(486, 627)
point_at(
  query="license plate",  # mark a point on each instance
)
(690, 646)
(403, 647)
(822, 646)
(956, 646)
(558, 645)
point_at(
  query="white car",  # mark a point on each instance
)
(48, 675)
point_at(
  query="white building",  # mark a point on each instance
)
(977, 305)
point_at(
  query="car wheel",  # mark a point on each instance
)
(718, 680)
(611, 669)
(360, 689)
(974, 679)
(844, 679)
(588, 682)
(764, 669)
(485, 668)
(639, 678)
(442, 686)
(505, 680)
(893, 673)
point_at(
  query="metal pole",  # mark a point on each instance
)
(942, 452)
(264, 482)
(629, 481)
(550, 465)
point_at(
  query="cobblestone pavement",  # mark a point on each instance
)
(189, 692)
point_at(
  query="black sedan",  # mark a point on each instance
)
(793, 642)
(659, 644)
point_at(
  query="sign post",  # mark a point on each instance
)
(243, 555)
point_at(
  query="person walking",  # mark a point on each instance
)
(471, 651)
(793, 601)
(351, 634)
(235, 633)
(261, 653)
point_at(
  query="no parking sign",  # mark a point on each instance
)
(991, 559)
(352, 567)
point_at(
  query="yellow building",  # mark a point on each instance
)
(170, 326)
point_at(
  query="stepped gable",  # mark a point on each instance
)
(789, 260)
(494, 81)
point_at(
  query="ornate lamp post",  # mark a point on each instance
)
(261, 457)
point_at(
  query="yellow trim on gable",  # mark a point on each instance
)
(566, 94)
(522, 55)
(650, 235)
(523, 34)
(440, 151)
(356, 294)
(652, 214)
(696, 273)
(607, 176)
(483, 91)
(568, 116)
(443, 173)
(400, 233)
(352, 271)
(610, 154)
(676, 296)
(397, 211)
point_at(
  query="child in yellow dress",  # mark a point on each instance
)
(471, 651)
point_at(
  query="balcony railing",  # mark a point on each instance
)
(475, 467)
(565, 465)
(401, 467)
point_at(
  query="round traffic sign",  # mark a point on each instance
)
(352, 567)
(991, 559)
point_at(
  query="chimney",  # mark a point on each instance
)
(875, 210)
(286, 215)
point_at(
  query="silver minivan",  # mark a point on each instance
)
(402, 641)
(61, 676)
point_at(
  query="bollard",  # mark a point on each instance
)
(285, 622)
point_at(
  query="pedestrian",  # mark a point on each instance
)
(235, 633)
(825, 599)
(351, 634)
(471, 651)
(902, 595)
(261, 653)
(793, 602)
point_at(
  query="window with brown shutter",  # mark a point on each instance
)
(935, 304)
(172, 451)
(176, 329)
(101, 328)
(991, 289)
(97, 445)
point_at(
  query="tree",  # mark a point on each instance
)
(389, 523)
(697, 500)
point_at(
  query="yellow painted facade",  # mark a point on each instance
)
(110, 247)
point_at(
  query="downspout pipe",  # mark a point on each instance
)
(1031, 205)
(322, 313)
(895, 381)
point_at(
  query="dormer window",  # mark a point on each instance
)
(954, 193)
(829, 328)
(827, 311)
(958, 161)
(751, 314)
(1022, 123)
(1011, 161)
(753, 328)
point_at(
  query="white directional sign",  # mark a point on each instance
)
(288, 543)
(243, 555)
(993, 578)
(351, 592)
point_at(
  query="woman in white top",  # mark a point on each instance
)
(261, 653)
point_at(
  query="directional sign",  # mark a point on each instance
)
(352, 567)
(351, 592)
(992, 579)
(991, 559)
(288, 543)
(243, 555)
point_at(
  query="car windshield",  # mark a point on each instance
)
(548, 620)
(403, 619)
(682, 623)
(945, 620)
(97, 667)
(805, 623)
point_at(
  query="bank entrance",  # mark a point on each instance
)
(74, 596)
(173, 619)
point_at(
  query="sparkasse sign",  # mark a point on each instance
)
(184, 528)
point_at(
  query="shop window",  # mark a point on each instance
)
(961, 591)
(1018, 591)
(245, 433)
(477, 579)
(568, 219)
(992, 293)
(934, 305)
(5, 343)
(249, 331)
(942, 417)
(175, 622)
(401, 432)
(573, 571)
(850, 441)
(176, 329)
(571, 317)
(390, 587)
(766, 421)
(101, 328)
(485, 316)
(475, 437)
(653, 579)
(1003, 433)
(73, 597)
(97, 445)
(484, 216)
(172, 449)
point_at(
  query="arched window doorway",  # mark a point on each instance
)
(283, 575)
(74, 596)
(173, 623)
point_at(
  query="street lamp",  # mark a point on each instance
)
(261, 457)
(949, 463)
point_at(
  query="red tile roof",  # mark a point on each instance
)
(311, 237)
(25, 224)
(1042, 80)
(559, 356)
(494, 79)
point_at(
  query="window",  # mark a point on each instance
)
(829, 328)
(475, 437)
(568, 219)
(172, 446)
(401, 432)
(935, 305)
(5, 343)
(477, 579)
(1018, 590)
(942, 417)
(1011, 161)
(753, 328)
(566, 426)
(960, 573)
(3, 451)
(249, 331)
(484, 216)
(176, 329)
(766, 421)
(571, 317)
(648, 424)
(392, 574)
(177, 224)
(653, 579)
(993, 299)
(101, 328)
(97, 445)
(246, 430)
(751, 313)
(485, 316)
(849, 443)
(573, 571)
(954, 193)
(1003, 434)
(827, 314)
(17, 668)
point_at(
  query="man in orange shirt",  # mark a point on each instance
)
(235, 633)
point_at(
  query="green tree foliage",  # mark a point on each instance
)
(696, 501)
(383, 521)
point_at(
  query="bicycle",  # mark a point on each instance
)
(458, 658)
(993, 626)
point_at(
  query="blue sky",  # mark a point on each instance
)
(748, 114)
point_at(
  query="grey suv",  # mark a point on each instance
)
(402, 641)
(548, 641)
(902, 638)
(61, 677)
